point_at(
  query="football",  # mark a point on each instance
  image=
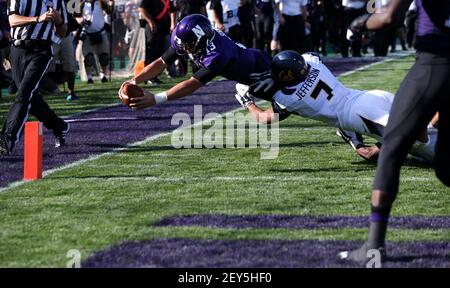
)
(130, 91)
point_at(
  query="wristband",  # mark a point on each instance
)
(161, 97)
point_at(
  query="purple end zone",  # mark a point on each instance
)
(101, 131)
(184, 253)
(300, 222)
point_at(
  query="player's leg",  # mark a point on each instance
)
(367, 114)
(442, 158)
(413, 107)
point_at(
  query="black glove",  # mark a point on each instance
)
(358, 27)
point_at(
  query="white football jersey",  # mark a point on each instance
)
(321, 96)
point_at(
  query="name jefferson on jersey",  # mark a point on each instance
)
(321, 96)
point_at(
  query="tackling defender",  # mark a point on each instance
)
(309, 89)
(212, 50)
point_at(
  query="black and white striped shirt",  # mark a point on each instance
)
(33, 8)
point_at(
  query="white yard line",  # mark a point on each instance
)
(154, 137)
(244, 178)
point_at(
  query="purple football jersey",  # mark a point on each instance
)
(433, 28)
(233, 60)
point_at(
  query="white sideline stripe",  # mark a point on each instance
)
(244, 178)
(154, 137)
(95, 157)
(101, 119)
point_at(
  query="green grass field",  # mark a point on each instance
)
(117, 197)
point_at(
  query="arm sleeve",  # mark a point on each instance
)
(205, 75)
(169, 56)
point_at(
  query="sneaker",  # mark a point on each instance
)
(4, 148)
(90, 81)
(364, 255)
(104, 79)
(72, 97)
(60, 138)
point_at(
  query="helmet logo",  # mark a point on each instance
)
(286, 76)
(177, 40)
(198, 31)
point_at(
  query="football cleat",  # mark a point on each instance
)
(352, 138)
(60, 138)
(365, 256)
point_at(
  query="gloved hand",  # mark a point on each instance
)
(357, 27)
(263, 81)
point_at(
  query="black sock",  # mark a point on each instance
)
(378, 225)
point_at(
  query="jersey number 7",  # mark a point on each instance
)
(322, 86)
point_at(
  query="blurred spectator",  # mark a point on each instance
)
(317, 18)
(264, 22)
(352, 10)
(292, 16)
(93, 37)
(246, 14)
(158, 18)
(188, 7)
(119, 45)
(62, 68)
(334, 11)
(411, 24)
(224, 16)
(383, 37)
(185, 8)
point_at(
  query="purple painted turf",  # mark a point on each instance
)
(184, 253)
(300, 222)
(88, 138)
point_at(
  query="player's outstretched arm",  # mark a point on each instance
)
(151, 71)
(182, 89)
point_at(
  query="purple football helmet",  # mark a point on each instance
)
(191, 35)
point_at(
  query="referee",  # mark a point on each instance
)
(34, 24)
